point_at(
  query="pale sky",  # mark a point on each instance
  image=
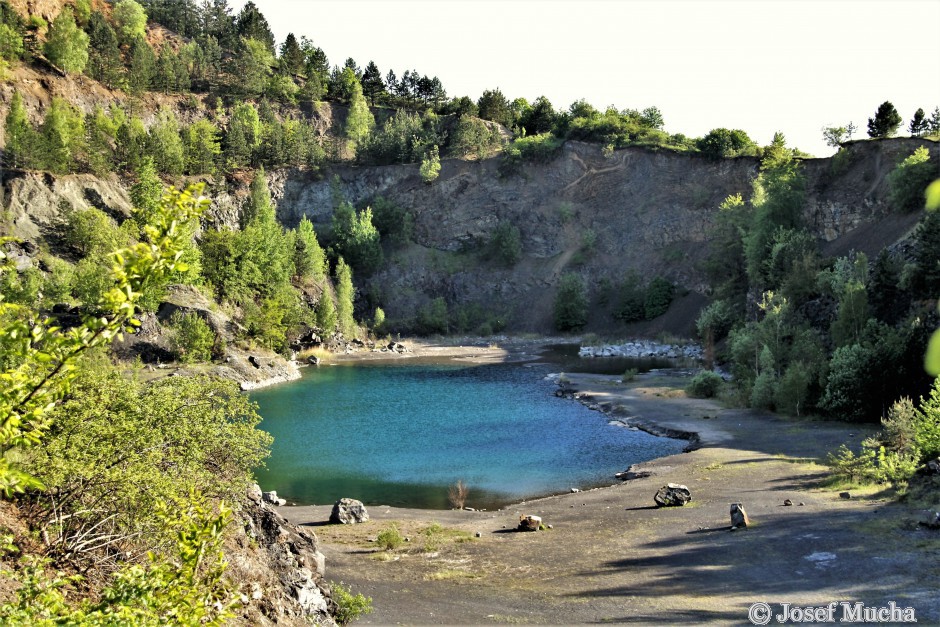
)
(757, 65)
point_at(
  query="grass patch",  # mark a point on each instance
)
(320, 353)
(451, 573)
(436, 536)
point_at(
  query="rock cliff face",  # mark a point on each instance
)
(599, 215)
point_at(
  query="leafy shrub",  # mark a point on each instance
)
(571, 304)
(186, 583)
(349, 607)
(659, 295)
(389, 538)
(191, 338)
(395, 223)
(848, 391)
(538, 148)
(705, 384)
(430, 167)
(506, 243)
(120, 446)
(715, 320)
(907, 182)
(629, 375)
(433, 317)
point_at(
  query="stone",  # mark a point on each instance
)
(672, 495)
(845, 495)
(313, 360)
(348, 512)
(739, 519)
(254, 361)
(529, 523)
(478, 535)
(932, 467)
(272, 498)
(254, 493)
(931, 520)
(788, 502)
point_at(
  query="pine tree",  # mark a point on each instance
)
(344, 300)
(918, 124)
(886, 121)
(292, 57)
(67, 45)
(933, 124)
(147, 191)
(326, 312)
(494, 106)
(102, 133)
(372, 83)
(104, 54)
(309, 260)
(130, 147)
(142, 66)
(164, 78)
(165, 144)
(243, 136)
(251, 24)
(62, 136)
(201, 143)
(21, 137)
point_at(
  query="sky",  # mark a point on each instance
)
(757, 65)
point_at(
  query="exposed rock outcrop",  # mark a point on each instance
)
(278, 569)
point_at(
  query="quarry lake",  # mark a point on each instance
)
(402, 434)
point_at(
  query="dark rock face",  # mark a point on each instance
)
(672, 495)
(348, 512)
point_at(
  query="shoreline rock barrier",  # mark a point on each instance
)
(644, 348)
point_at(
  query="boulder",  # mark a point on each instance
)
(254, 493)
(529, 523)
(348, 512)
(272, 498)
(672, 495)
(739, 517)
(931, 520)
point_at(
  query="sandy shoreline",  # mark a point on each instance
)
(611, 556)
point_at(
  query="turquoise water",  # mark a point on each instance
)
(400, 435)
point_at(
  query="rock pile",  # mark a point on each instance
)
(644, 348)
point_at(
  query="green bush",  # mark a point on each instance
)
(908, 181)
(659, 295)
(506, 244)
(705, 384)
(538, 148)
(191, 338)
(389, 538)
(848, 393)
(349, 607)
(430, 167)
(433, 317)
(571, 303)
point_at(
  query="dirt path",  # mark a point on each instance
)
(613, 557)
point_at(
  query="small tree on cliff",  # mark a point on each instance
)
(886, 121)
